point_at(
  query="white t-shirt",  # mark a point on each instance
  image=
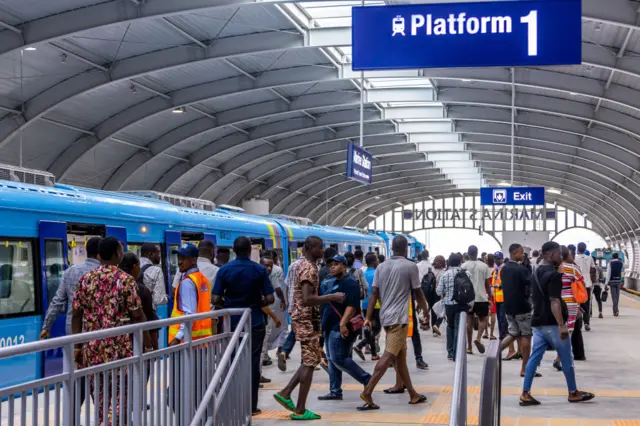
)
(423, 267)
(479, 272)
(585, 263)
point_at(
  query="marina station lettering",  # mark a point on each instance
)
(478, 214)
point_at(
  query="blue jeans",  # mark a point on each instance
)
(339, 357)
(289, 342)
(542, 337)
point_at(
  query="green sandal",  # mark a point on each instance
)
(286, 403)
(308, 415)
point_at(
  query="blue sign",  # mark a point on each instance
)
(488, 34)
(359, 164)
(525, 196)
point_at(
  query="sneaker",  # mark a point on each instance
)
(420, 364)
(600, 316)
(587, 327)
(282, 361)
(359, 352)
(267, 362)
(436, 331)
(264, 380)
(330, 397)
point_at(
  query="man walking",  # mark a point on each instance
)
(614, 281)
(339, 337)
(587, 267)
(394, 282)
(516, 284)
(445, 289)
(245, 284)
(481, 278)
(370, 334)
(550, 315)
(305, 320)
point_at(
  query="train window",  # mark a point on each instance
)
(17, 278)
(54, 263)
(173, 261)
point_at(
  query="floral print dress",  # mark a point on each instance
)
(106, 296)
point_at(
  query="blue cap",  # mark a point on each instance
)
(587, 252)
(187, 250)
(498, 255)
(339, 258)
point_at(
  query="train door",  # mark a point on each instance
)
(63, 244)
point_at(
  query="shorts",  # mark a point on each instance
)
(396, 338)
(520, 325)
(481, 309)
(309, 343)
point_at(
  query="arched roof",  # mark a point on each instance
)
(230, 99)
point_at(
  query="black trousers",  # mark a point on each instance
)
(415, 338)
(370, 336)
(257, 339)
(432, 299)
(586, 308)
(577, 344)
(597, 292)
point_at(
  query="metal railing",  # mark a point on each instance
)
(490, 390)
(162, 387)
(458, 415)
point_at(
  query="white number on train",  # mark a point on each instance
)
(11, 341)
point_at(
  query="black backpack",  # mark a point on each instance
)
(428, 283)
(463, 292)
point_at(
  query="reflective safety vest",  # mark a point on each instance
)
(200, 328)
(411, 325)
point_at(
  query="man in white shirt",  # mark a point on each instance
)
(586, 264)
(152, 275)
(481, 278)
(425, 264)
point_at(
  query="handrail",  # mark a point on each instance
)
(458, 414)
(242, 329)
(490, 390)
(57, 342)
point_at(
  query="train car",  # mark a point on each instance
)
(604, 255)
(44, 230)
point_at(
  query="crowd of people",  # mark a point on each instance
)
(332, 300)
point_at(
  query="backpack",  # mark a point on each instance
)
(352, 273)
(428, 283)
(463, 292)
(579, 292)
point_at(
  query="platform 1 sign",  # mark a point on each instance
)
(451, 35)
(508, 196)
(359, 164)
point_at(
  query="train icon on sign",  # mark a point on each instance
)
(398, 25)
(500, 196)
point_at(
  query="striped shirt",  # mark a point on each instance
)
(289, 282)
(571, 274)
(446, 285)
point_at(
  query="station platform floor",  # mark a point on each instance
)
(611, 372)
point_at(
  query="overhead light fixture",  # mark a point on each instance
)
(504, 183)
(573, 93)
(554, 191)
(179, 110)
(466, 80)
(30, 49)
(598, 27)
(376, 197)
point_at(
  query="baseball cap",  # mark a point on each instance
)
(187, 250)
(498, 255)
(587, 252)
(339, 258)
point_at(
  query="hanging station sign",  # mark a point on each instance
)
(512, 196)
(445, 214)
(485, 34)
(359, 164)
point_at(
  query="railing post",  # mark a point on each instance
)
(458, 413)
(187, 375)
(138, 366)
(68, 387)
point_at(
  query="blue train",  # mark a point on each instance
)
(43, 229)
(415, 246)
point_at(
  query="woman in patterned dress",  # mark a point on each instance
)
(570, 274)
(107, 297)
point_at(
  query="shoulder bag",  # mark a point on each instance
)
(356, 323)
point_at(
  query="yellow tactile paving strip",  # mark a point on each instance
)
(438, 412)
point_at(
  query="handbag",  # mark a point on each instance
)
(605, 295)
(356, 322)
(439, 309)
